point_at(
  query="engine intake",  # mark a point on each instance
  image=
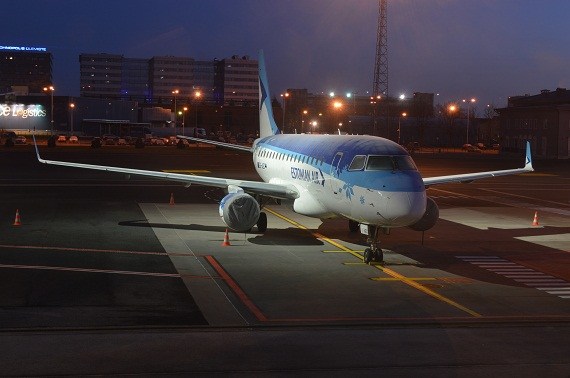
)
(239, 211)
(429, 218)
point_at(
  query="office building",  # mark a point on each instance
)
(29, 67)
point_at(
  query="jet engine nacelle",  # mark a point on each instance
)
(429, 218)
(239, 211)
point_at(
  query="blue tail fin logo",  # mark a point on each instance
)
(267, 125)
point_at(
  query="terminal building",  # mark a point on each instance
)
(544, 119)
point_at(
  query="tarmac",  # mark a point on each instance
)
(100, 264)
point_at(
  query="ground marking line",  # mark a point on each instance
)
(82, 249)
(525, 197)
(236, 289)
(86, 270)
(385, 270)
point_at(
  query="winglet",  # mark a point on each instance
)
(37, 151)
(267, 125)
(528, 158)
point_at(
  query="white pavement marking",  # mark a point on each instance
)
(522, 274)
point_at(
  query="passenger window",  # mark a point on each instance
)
(380, 163)
(357, 163)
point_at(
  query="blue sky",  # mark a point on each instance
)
(457, 48)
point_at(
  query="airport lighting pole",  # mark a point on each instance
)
(183, 117)
(404, 114)
(51, 89)
(451, 109)
(469, 102)
(303, 114)
(285, 97)
(175, 93)
(71, 108)
(197, 96)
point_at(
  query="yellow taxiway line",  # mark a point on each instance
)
(395, 275)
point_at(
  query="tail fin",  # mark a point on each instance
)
(528, 158)
(267, 125)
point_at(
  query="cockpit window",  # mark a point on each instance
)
(380, 163)
(390, 163)
(357, 163)
(405, 163)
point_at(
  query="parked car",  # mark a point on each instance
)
(470, 148)
(481, 146)
(121, 142)
(61, 139)
(20, 139)
(73, 139)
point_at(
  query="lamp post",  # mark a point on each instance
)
(184, 109)
(197, 96)
(468, 107)
(175, 92)
(51, 89)
(404, 114)
(285, 96)
(451, 109)
(71, 108)
(303, 114)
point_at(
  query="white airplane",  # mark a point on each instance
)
(370, 181)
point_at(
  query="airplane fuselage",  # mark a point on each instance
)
(367, 179)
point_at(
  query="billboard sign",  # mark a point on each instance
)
(22, 116)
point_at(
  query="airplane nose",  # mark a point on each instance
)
(406, 208)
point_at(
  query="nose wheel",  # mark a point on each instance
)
(374, 252)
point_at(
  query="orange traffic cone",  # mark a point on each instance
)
(535, 220)
(172, 198)
(17, 219)
(226, 239)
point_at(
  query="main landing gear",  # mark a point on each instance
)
(262, 222)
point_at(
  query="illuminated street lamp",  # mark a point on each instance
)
(51, 89)
(71, 108)
(285, 96)
(175, 93)
(183, 118)
(404, 114)
(197, 96)
(314, 124)
(469, 102)
(303, 114)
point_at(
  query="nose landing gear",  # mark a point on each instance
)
(374, 253)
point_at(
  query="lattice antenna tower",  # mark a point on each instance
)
(381, 63)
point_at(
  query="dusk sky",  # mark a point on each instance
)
(488, 49)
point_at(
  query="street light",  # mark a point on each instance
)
(468, 106)
(404, 114)
(183, 118)
(314, 124)
(71, 107)
(303, 114)
(285, 96)
(175, 92)
(51, 89)
(197, 96)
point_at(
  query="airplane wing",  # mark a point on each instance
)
(468, 177)
(215, 142)
(256, 187)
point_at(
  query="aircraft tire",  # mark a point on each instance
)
(262, 222)
(378, 255)
(367, 258)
